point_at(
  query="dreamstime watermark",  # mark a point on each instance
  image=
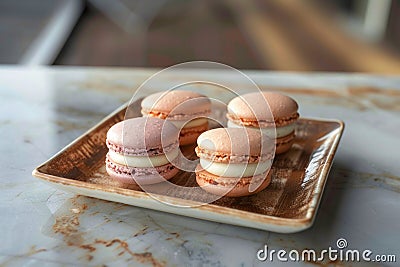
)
(340, 253)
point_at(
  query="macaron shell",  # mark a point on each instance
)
(142, 176)
(143, 136)
(189, 135)
(176, 104)
(254, 107)
(283, 144)
(208, 182)
(235, 145)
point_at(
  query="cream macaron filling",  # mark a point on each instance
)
(235, 170)
(270, 132)
(144, 161)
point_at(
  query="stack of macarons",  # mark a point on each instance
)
(232, 160)
(187, 110)
(274, 114)
(142, 151)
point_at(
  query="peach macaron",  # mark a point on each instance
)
(232, 160)
(278, 120)
(187, 110)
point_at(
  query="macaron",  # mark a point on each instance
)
(187, 110)
(234, 162)
(142, 151)
(251, 111)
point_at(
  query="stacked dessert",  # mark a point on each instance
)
(141, 151)
(233, 161)
(273, 113)
(185, 109)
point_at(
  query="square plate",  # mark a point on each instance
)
(289, 204)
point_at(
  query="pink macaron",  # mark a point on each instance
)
(187, 110)
(234, 162)
(273, 113)
(142, 151)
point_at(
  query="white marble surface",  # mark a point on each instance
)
(44, 109)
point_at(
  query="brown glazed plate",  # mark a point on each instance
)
(289, 204)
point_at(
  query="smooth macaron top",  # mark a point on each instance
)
(177, 104)
(235, 145)
(252, 109)
(143, 136)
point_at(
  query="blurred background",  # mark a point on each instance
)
(283, 35)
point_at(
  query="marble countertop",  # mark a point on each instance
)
(44, 109)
